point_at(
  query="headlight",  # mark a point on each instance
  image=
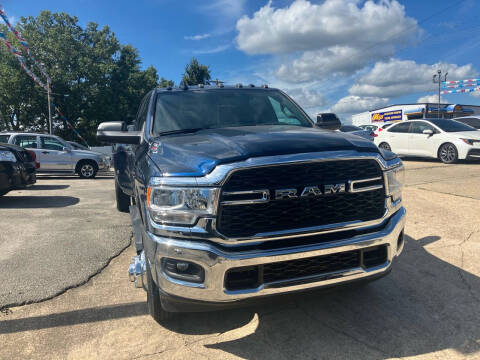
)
(183, 206)
(467, 141)
(395, 179)
(7, 156)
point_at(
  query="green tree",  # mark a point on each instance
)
(196, 73)
(94, 77)
(165, 83)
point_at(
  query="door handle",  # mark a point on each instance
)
(45, 152)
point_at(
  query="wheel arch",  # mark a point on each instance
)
(83, 161)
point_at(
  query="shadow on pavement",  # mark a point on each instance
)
(36, 202)
(75, 317)
(74, 177)
(48, 187)
(424, 305)
(436, 161)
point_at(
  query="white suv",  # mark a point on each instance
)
(56, 156)
(447, 140)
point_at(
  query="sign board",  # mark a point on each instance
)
(395, 115)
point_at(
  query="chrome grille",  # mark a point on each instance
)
(237, 219)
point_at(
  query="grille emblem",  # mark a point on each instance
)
(310, 191)
(262, 196)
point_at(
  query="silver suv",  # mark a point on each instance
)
(56, 156)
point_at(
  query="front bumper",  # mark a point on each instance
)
(16, 175)
(217, 261)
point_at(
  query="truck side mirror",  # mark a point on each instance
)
(328, 121)
(115, 132)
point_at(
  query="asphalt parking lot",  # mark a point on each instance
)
(427, 308)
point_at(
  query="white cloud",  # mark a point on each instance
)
(307, 98)
(355, 104)
(223, 14)
(197, 37)
(336, 36)
(401, 77)
(214, 50)
(432, 99)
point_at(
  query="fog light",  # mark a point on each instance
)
(182, 266)
(183, 270)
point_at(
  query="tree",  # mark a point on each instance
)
(94, 77)
(165, 83)
(196, 73)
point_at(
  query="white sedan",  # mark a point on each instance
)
(447, 140)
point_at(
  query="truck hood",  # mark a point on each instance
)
(197, 154)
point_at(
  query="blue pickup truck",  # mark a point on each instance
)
(236, 195)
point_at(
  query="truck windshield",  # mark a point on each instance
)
(219, 108)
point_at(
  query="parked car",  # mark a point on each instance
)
(235, 194)
(447, 140)
(57, 156)
(473, 121)
(368, 127)
(17, 168)
(355, 130)
(78, 146)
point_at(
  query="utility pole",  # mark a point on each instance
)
(49, 109)
(438, 79)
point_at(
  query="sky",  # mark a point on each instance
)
(345, 56)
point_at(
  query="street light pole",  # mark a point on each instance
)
(49, 109)
(438, 79)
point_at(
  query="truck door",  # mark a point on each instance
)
(125, 158)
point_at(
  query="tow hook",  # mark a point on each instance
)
(137, 269)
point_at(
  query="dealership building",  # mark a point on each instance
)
(399, 112)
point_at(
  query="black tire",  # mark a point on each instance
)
(385, 146)
(87, 169)
(154, 302)
(448, 154)
(123, 200)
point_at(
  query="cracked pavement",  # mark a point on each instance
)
(427, 308)
(57, 235)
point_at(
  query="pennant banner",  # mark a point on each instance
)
(461, 85)
(18, 54)
(460, 90)
(24, 43)
(460, 81)
(62, 117)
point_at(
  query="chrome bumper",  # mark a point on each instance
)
(217, 261)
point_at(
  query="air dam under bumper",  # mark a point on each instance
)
(217, 263)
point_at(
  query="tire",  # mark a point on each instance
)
(448, 154)
(87, 169)
(123, 200)
(154, 302)
(385, 146)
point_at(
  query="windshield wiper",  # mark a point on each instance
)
(180, 131)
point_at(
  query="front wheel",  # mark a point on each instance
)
(448, 153)
(87, 170)
(154, 302)
(385, 146)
